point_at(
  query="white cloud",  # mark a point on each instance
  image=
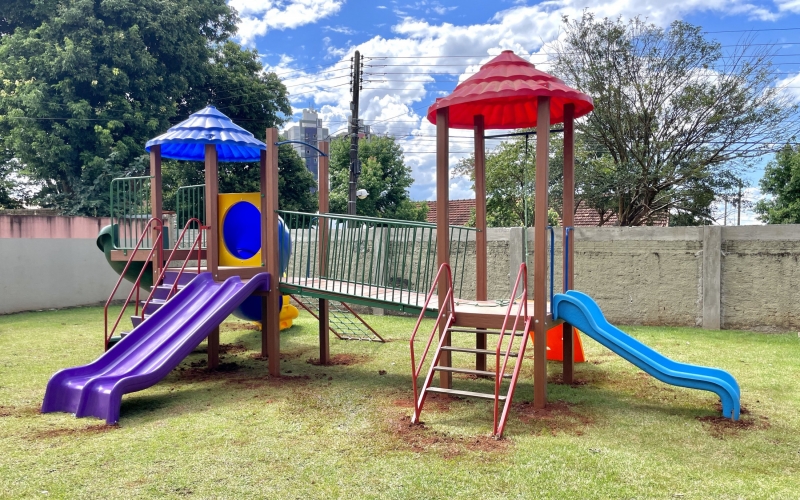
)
(524, 29)
(788, 6)
(260, 16)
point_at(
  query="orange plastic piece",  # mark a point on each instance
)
(555, 345)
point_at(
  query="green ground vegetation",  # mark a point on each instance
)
(343, 430)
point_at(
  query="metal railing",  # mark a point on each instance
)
(130, 211)
(190, 204)
(151, 226)
(197, 244)
(446, 314)
(387, 260)
(520, 317)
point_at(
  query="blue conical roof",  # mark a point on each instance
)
(187, 140)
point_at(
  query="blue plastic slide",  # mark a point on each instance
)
(579, 310)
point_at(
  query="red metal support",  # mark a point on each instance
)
(158, 229)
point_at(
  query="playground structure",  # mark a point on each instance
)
(407, 266)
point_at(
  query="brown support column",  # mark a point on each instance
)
(212, 245)
(156, 205)
(271, 340)
(443, 224)
(568, 219)
(482, 275)
(540, 256)
(323, 189)
(213, 348)
(212, 210)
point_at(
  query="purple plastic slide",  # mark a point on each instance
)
(151, 350)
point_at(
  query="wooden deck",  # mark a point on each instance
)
(469, 313)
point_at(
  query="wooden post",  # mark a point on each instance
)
(212, 245)
(443, 225)
(213, 348)
(481, 272)
(270, 321)
(568, 219)
(323, 189)
(212, 210)
(540, 255)
(156, 206)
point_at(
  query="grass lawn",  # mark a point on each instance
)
(342, 431)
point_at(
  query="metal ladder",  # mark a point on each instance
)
(512, 340)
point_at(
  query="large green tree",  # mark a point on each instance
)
(673, 112)
(510, 176)
(782, 181)
(383, 174)
(84, 84)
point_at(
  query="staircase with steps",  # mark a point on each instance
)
(164, 276)
(161, 294)
(510, 344)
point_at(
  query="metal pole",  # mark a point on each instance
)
(355, 168)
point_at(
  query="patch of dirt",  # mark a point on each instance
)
(284, 355)
(236, 327)
(200, 371)
(19, 411)
(339, 360)
(232, 348)
(438, 402)
(419, 438)
(556, 417)
(721, 427)
(82, 431)
(558, 379)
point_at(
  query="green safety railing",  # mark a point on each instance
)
(130, 211)
(371, 259)
(190, 204)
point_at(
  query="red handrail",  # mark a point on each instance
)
(415, 370)
(157, 243)
(198, 241)
(522, 309)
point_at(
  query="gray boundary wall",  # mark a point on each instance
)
(745, 277)
(45, 266)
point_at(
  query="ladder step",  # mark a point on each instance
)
(489, 332)
(476, 351)
(469, 371)
(466, 394)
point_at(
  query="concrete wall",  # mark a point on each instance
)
(53, 262)
(715, 277)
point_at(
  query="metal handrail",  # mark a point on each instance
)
(386, 260)
(197, 242)
(157, 242)
(552, 260)
(567, 230)
(134, 197)
(364, 218)
(449, 300)
(522, 311)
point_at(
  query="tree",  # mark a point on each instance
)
(84, 84)
(672, 112)
(383, 175)
(295, 182)
(510, 187)
(781, 181)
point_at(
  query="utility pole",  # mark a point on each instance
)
(355, 165)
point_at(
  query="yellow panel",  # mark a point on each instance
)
(226, 201)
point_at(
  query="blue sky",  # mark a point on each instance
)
(414, 52)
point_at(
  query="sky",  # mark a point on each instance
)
(415, 51)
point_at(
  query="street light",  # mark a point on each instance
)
(361, 194)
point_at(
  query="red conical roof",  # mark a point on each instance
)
(505, 92)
